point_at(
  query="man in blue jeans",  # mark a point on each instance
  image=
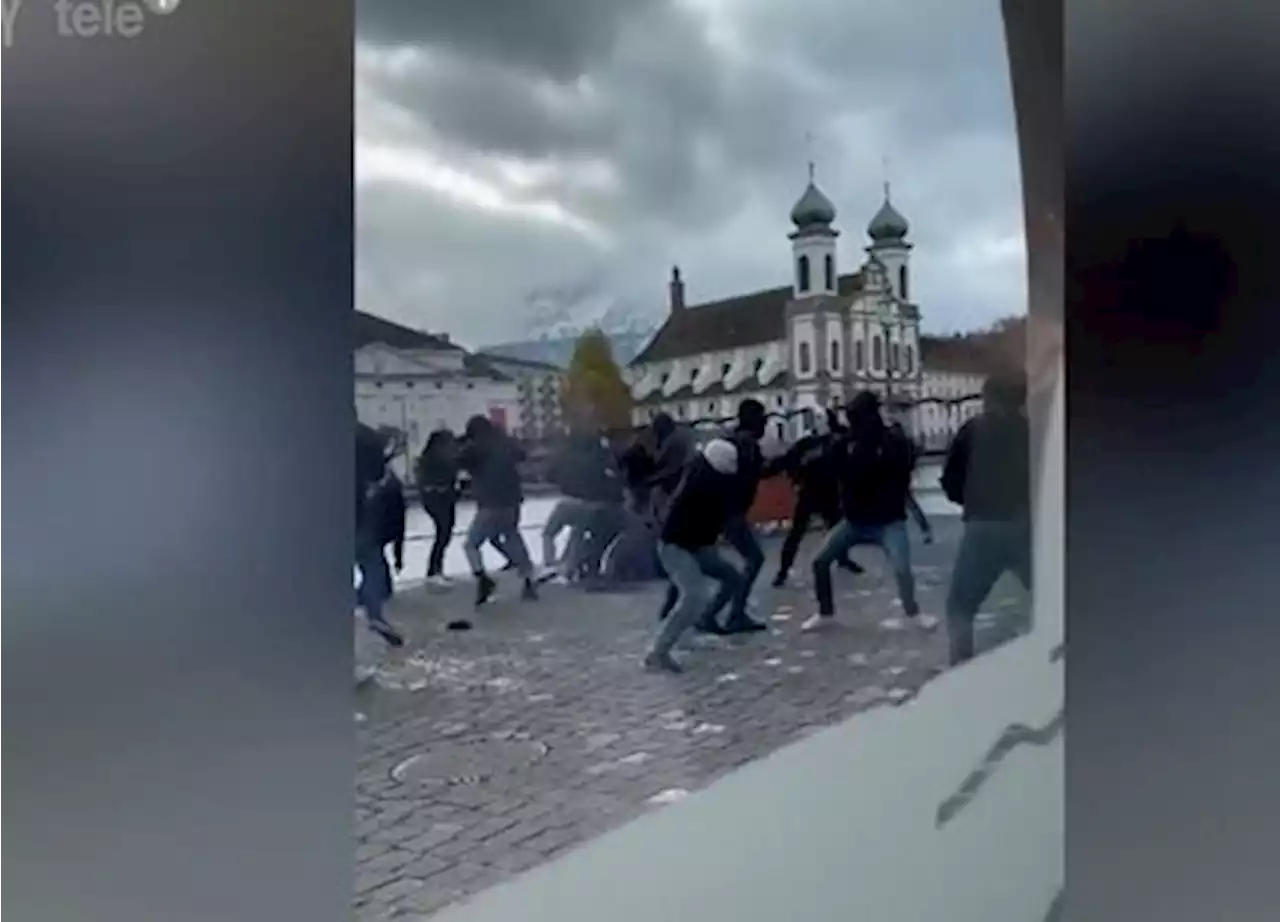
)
(988, 472)
(696, 516)
(873, 466)
(745, 438)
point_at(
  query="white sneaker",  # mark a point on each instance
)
(926, 622)
(439, 582)
(818, 622)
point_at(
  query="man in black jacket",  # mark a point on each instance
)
(810, 465)
(674, 447)
(873, 469)
(492, 459)
(378, 499)
(987, 471)
(696, 517)
(745, 437)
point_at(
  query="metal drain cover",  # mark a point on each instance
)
(469, 761)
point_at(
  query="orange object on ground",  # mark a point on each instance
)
(775, 502)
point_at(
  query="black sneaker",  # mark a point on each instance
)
(852, 566)
(744, 625)
(387, 633)
(711, 626)
(484, 588)
(530, 592)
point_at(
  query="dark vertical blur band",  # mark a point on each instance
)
(177, 417)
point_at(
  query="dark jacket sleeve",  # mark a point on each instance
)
(788, 462)
(955, 470)
(670, 461)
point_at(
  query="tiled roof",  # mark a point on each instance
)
(370, 329)
(957, 354)
(733, 323)
(713, 392)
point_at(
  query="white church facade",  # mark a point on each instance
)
(809, 345)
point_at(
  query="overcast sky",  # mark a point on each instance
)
(521, 158)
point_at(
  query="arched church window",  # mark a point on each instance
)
(877, 354)
(835, 355)
(829, 272)
(902, 284)
(806, 360)
(802, 274)
(859, 356)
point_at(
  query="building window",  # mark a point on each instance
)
(758, 365)
(829, 272)
(780, 400)
(902, 284)
(802, 274)
(725, 369)
(897, 357)
(859, 356)
(911, 360)
(835, 355)
(680, 411)
(806, 419)
(806, 360)
(780, 430)
(666, 376)
(711, 407)
(877, 354)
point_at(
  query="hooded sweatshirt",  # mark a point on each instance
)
(873, 467)
(705, 499)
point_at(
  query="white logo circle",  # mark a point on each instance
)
(162, 7)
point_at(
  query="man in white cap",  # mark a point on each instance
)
(696, 516)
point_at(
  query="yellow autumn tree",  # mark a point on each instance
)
(595, 393)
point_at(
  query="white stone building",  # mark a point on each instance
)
(802, 347)
(539, 386)
(417, 382)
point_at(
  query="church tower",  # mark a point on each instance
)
(888, 233)
(813, 244)
(894, 329)
(815, 330)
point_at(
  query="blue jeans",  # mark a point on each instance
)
(500, 527)
(742, 538)
(375, 577)
(892, 538)
(987, 550)
(688, 572)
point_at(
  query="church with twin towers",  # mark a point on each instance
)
(808, 345)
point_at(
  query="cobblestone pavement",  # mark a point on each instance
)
(483, 753)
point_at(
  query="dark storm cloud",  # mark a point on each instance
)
(559, 38)
(697, 114)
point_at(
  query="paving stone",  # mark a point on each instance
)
(564, 675)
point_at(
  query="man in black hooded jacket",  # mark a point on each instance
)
(745, 437)
(377, 492)
(873, 467)
(988, 472)
(810, 464)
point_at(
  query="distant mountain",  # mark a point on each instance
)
(557, 348)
